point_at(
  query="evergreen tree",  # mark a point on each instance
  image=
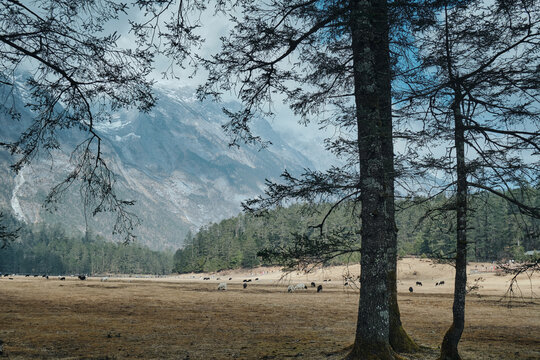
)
(331, 60)
(7, 235)
(479, 91)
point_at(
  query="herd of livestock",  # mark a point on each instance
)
(223, 285)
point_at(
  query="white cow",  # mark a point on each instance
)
(222, 286)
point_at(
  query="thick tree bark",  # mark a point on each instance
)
(369, 30)
(399, 339)
(449, 347)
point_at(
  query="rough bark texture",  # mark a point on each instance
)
(369, 29)
(399, 339)
(449, 347)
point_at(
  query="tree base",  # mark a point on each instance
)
(401, 342)
(449, 350)
(372, 351)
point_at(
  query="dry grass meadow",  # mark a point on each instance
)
(185, 317)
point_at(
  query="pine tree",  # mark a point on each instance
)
(330, 59)
(478, 96)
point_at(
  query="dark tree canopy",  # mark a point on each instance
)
(331, 61)
(486, 55)
(476, 99)
(77, 74)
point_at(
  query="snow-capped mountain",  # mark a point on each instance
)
(174, 161)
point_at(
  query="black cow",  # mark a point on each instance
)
(319, 288)
(245, 285)
(82, 277)
(411, 289)
(313, 284)
(419, 283)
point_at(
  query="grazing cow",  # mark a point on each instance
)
(244, 280)
(230, 279)
(63, 278)
(222, 286)
(419, 283)
(411, 289)
(47, 277)
(319, 288)
(206, 278)
(82, 277)
(300, 287)
(249, 280)
(313, 284)
(290, 288)
(256, 279)
(245, 285)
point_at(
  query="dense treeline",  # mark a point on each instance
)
(496, 228)
(234, 242)
(50, 250)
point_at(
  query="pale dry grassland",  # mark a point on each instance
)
(185, 317)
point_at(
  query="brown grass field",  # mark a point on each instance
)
(184, 317)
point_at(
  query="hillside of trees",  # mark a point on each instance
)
(44, 249)
(496, 228)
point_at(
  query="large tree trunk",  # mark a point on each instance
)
(369, 30)
(449, 347)
(399, 339)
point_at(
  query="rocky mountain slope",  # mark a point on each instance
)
(174, 161)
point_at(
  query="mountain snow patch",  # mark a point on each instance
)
(15, 205)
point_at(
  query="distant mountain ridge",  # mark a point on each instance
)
(174, 161)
